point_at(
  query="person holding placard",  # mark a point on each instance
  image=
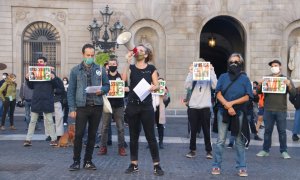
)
(42, 102)
(139, 111)
(160, 101)
(199, 109)
(117, 105)
(275, 108)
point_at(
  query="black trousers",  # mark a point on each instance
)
(200, 118)
(90, 115)
(141, 114)
(8, 105)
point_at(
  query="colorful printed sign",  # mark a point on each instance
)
(39, 73)
(274, 85)
(201, 71)
(116, 89)
(162, 87)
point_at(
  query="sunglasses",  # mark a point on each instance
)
(234, 62)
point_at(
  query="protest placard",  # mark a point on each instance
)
(273, 84)
(116, 89)
(39, 73)
(201, 71)
(162, 87)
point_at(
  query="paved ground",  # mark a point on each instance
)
(44, 162)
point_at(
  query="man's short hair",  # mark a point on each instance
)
(5, 74)
(87, 46)
(43, 58)
(113, 59)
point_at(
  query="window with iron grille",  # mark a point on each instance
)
(41, 39)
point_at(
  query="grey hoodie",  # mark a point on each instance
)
(201, 95)
(25, 92)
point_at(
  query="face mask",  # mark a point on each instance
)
(88, 61)
(4, 77)
(139, 56)
(65, 82)
(275, 70)
(112, 68)
(234, 68)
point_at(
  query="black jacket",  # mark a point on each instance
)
(59, 91)
(43, 95)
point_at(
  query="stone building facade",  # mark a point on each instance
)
(177, 31)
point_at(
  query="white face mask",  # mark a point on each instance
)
(3, 77)
(65, 82)
(275, 70)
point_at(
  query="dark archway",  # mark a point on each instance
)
(229, 36)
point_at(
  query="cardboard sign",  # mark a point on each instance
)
(162, 88)
(274, 85)
(201, 71)
(39, 73)
(116, 89)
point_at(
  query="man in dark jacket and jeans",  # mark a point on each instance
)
(42, 102)
(86, 107)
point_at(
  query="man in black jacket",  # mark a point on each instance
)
(42, 102)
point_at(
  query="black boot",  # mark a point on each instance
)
(161, 136)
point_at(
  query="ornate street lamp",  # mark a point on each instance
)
(94, 29)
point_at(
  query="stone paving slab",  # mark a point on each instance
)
(44, 162)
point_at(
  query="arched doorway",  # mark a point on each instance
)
(229, 36)
(41, 39)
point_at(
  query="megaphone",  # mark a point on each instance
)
(125, 39)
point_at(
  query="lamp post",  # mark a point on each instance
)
(95, 29)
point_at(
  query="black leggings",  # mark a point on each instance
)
(8, 105)
(141, 114)
(157, 118)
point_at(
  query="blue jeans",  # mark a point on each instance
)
(1, 108)
(219, 147)
(270, 117)
(296, 129)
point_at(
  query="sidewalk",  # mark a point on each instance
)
(44, 162)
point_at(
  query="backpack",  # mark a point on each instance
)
(295, 100)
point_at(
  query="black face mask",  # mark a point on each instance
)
(234, 68)
(112, 68)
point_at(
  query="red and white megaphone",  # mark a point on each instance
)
(125, 39)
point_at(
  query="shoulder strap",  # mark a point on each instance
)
(193, 86)
(224, 92)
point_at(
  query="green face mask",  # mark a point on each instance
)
(140, 56)
(88, 61)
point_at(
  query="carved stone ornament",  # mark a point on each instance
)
(61, 16)
(21, 15)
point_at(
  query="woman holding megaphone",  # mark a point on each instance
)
(139, 109)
